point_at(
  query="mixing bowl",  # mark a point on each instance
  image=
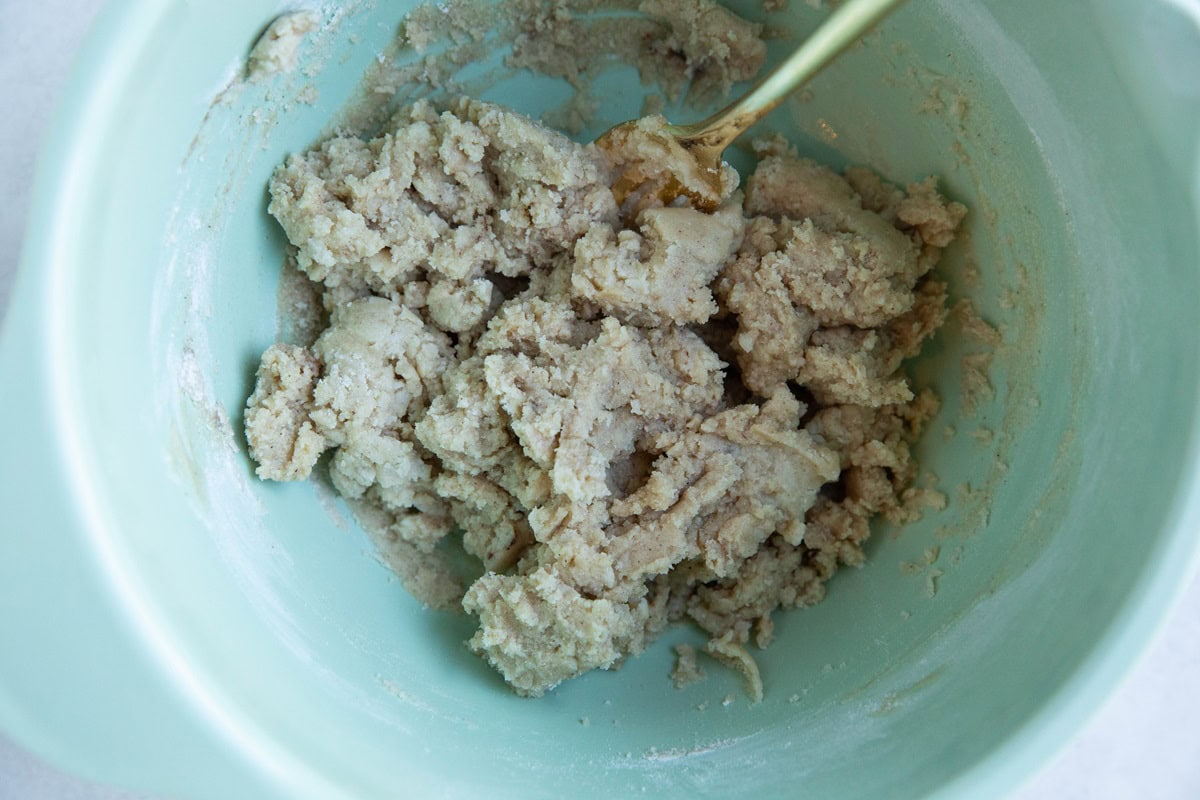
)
(172, 624)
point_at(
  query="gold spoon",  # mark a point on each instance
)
(696, 149)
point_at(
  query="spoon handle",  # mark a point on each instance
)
(842, 28)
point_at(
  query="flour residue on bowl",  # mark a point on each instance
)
(675, 753)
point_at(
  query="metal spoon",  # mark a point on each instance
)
(704, 142)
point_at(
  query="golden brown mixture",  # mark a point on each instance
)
(628, 416)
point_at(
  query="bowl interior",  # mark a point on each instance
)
(961, 629)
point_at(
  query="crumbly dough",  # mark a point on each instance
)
(687, 670)
(277, 49)
(628, 416)
(697, 45)
(691, 50)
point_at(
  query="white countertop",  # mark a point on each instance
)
(1144, 742)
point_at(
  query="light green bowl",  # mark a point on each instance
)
(171, 624)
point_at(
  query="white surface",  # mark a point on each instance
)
(1144, 743)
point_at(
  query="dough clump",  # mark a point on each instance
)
(629, 416)
(277, 50)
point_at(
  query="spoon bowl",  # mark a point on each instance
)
(685, 160)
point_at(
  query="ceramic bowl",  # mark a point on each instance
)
(174, 625)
